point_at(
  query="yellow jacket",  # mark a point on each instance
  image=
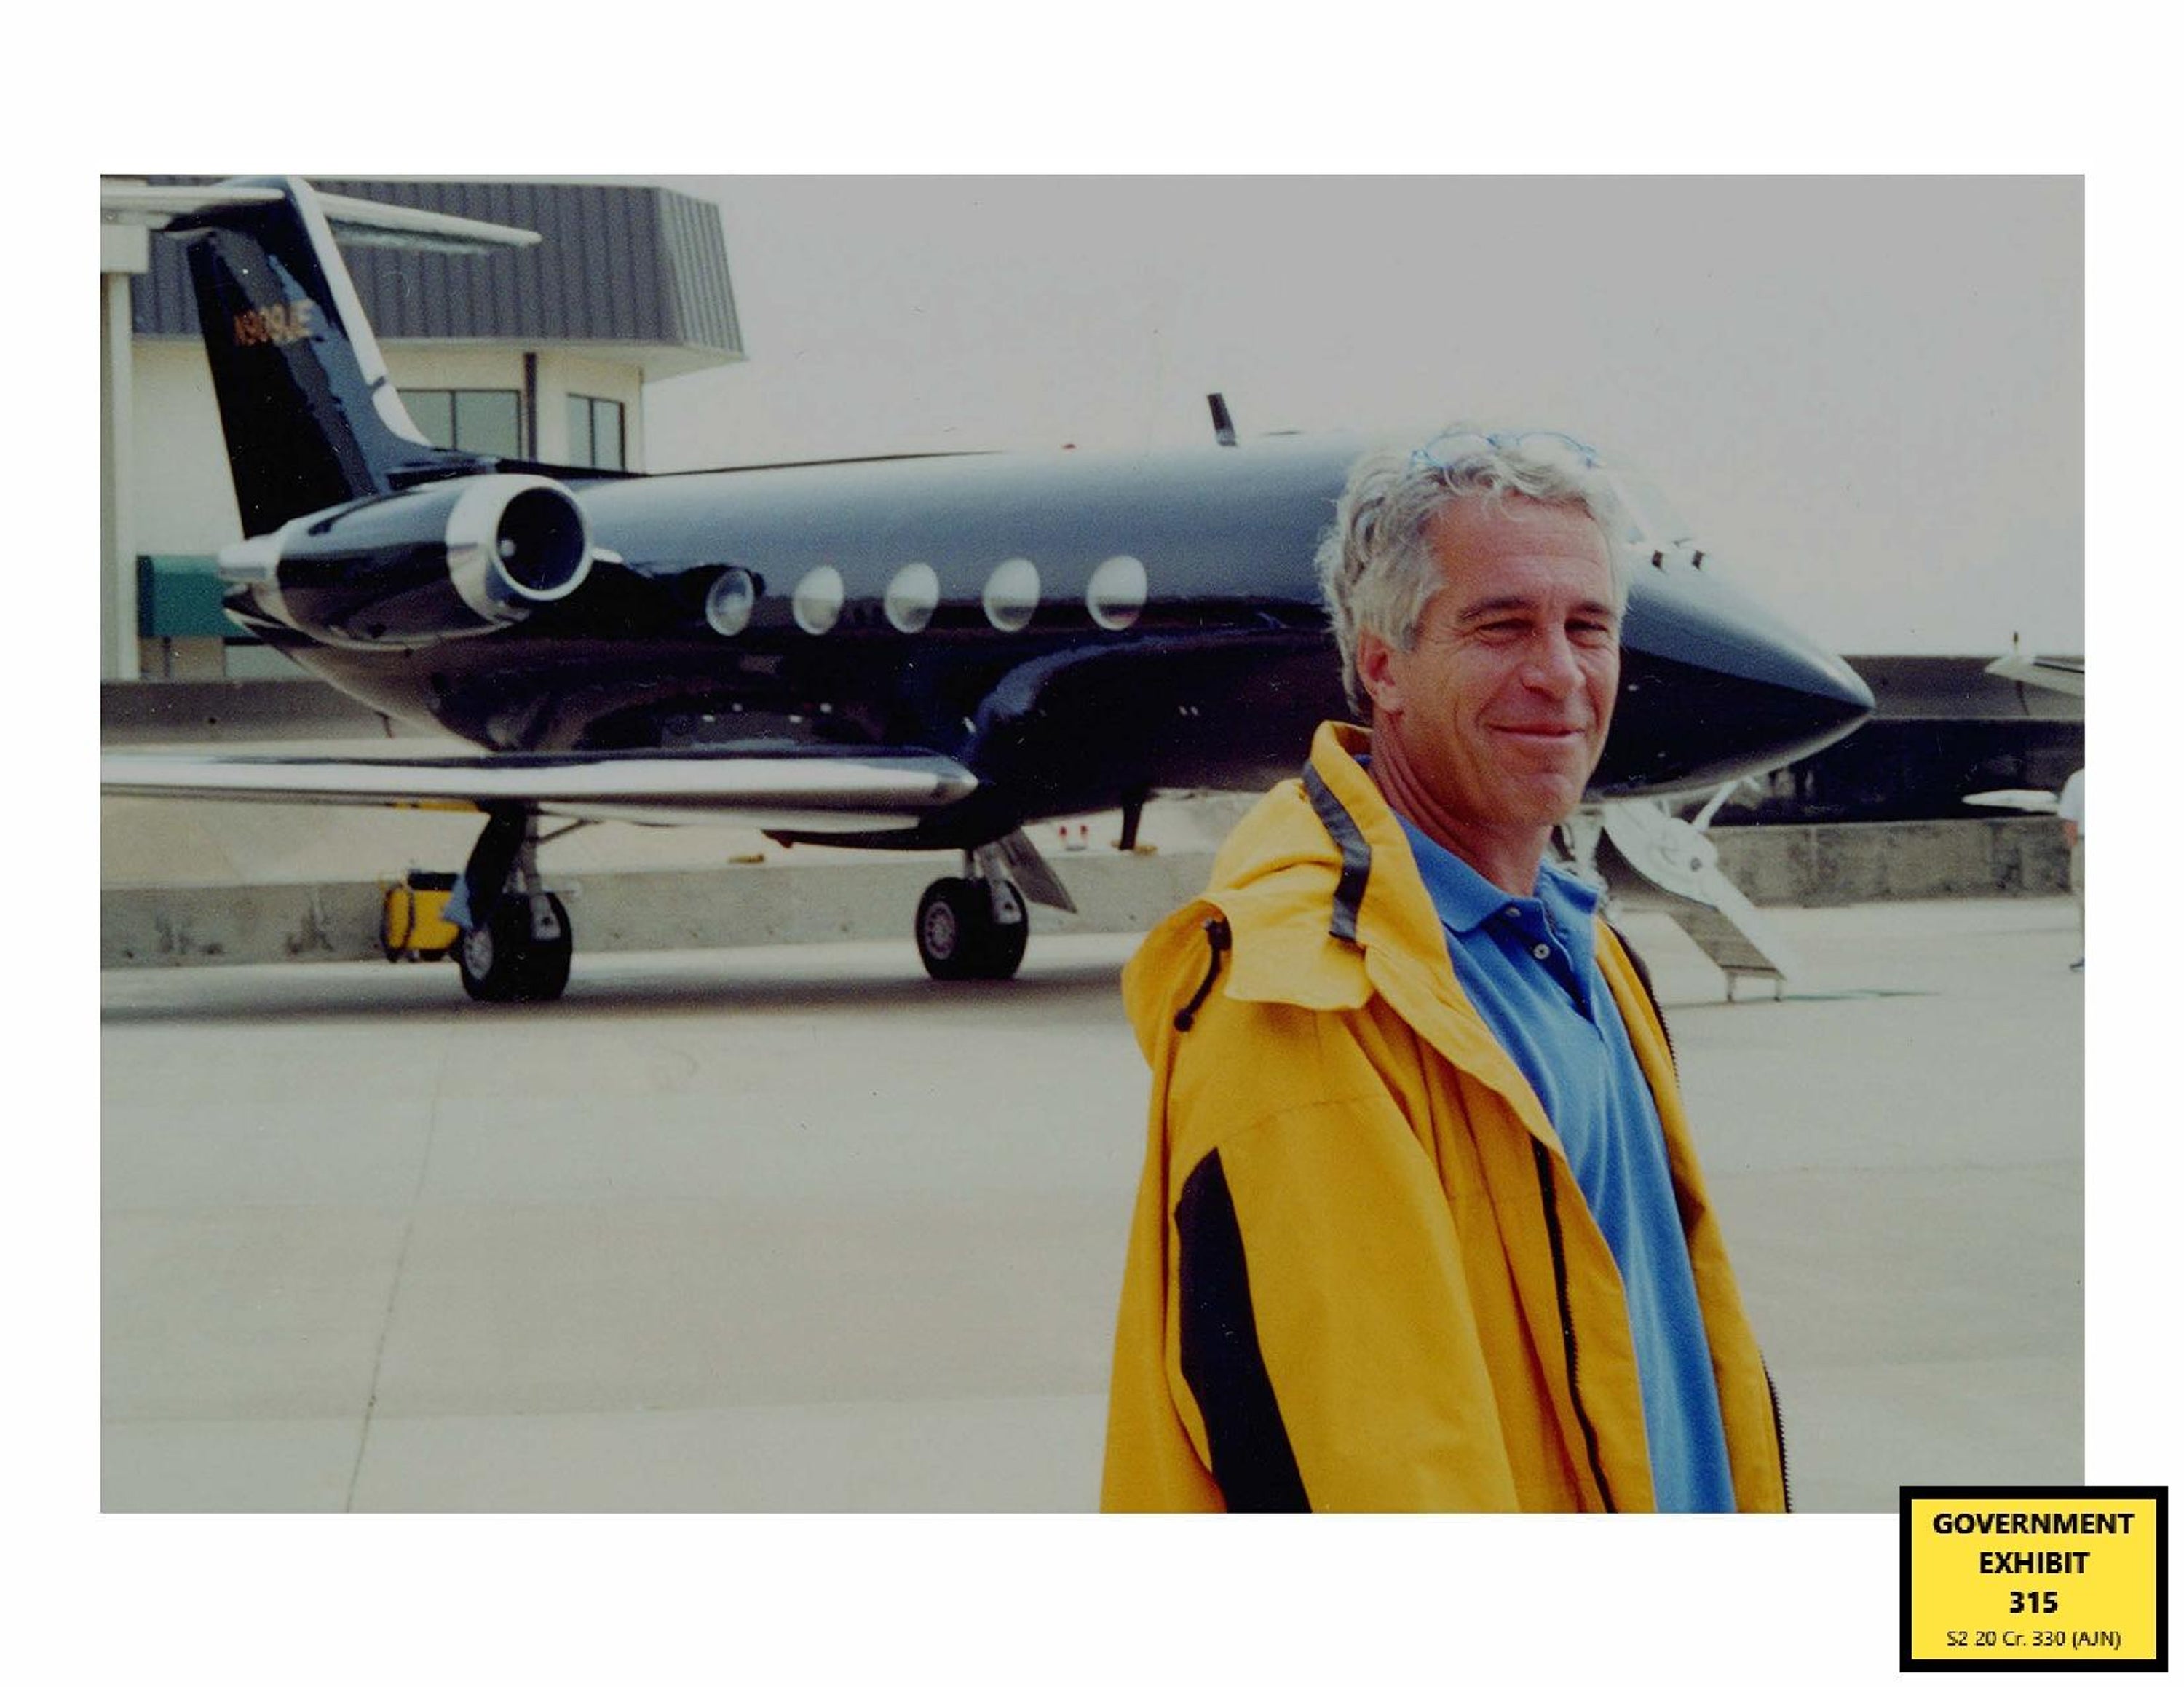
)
(1361, 1274)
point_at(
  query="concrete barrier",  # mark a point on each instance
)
(238, 712)
(1820, 866)
(875, 897)
(613, 912)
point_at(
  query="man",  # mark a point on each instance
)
(1421, 1226)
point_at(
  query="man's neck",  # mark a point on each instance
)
(1508, 857)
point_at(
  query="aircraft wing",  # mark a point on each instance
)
(810, 790)
(2024, 802)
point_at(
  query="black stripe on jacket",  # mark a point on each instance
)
(1245, 1434)
(1357, 853)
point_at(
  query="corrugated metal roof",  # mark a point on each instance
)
(640, 265)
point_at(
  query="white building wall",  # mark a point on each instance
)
(499, 368)
(117, 450)
(184, 501)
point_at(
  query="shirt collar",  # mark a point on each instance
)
(1466, 898)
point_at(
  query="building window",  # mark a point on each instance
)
(469, 419)
(595, 436)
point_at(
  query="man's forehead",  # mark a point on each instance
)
(1516, 548)
(1510, 519)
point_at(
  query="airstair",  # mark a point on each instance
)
(1645, 857)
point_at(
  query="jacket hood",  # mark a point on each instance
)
(1324, 907)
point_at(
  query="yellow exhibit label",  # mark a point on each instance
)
(2035, 1578)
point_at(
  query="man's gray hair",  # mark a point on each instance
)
(1376, 569)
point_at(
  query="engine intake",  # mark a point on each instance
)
(443, 560)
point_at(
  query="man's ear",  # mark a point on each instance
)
(1376, 673)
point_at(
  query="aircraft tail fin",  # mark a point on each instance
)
(311, 416)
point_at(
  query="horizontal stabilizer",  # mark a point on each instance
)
(362, 222)
(143, 207)
(369, 222)
(815, 792)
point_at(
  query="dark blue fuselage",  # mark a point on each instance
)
(1058, 704)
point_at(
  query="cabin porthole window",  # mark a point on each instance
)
(1116, 595)
(911, 598)
(817, 604)
(729, 601)
(1011, 596)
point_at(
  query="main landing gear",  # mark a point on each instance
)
(972, 928)
(975, 927)
(520, 952)
(516, 941)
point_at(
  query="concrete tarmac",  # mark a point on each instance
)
(796, 1229)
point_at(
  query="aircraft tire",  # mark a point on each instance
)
(1001, 948)
(958, 937)
(949, 916)
(502, 961)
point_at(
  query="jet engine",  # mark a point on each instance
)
(441, 561)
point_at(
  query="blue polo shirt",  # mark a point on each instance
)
(1527, 964)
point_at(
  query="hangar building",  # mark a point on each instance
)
(542, 353)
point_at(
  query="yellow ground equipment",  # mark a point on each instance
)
(414, 924)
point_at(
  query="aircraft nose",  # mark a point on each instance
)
(1830, 681)
(1715, 688)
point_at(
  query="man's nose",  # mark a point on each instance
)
(1551, 665)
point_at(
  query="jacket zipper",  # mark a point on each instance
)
(1782, 1445)
(1646, 982)
(1545, 1164)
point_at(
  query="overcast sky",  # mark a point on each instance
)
(1865, 394)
